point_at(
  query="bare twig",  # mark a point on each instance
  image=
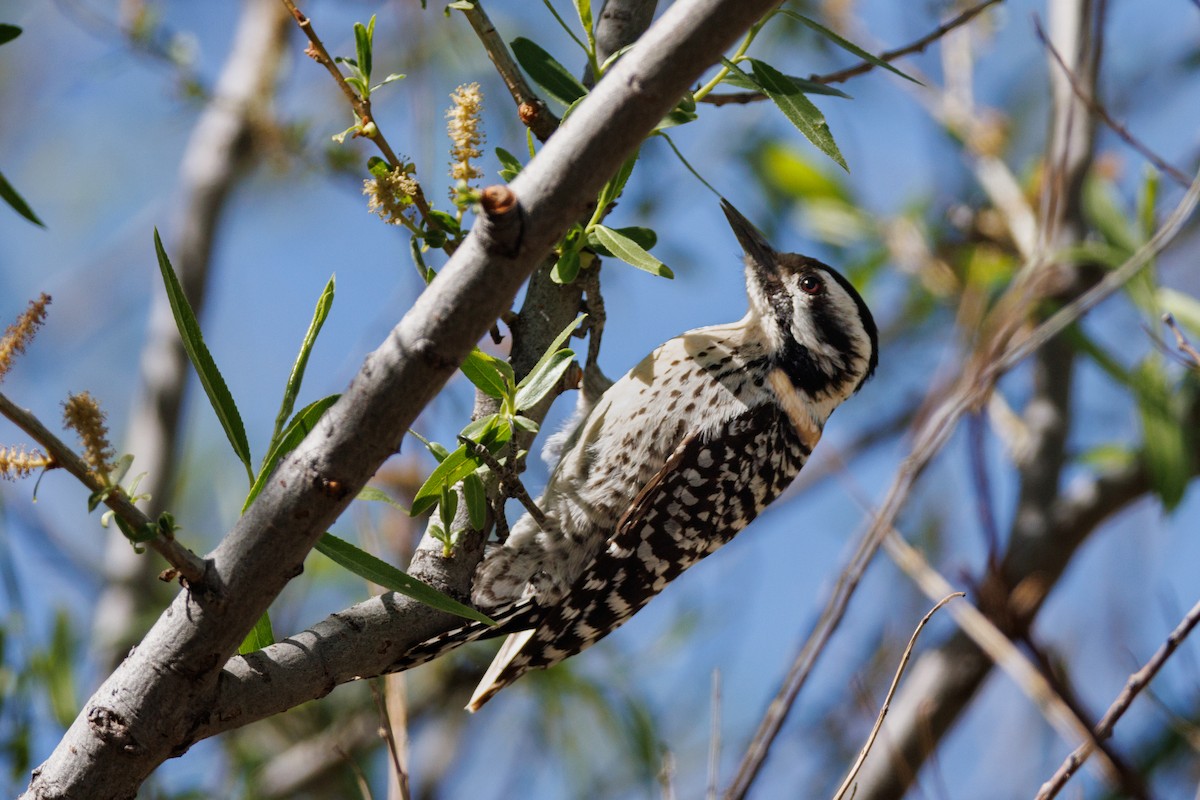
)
(510, 483)
(189, 565)
(866, 748)
(362, 109)
(1137, 681)
(1181, 341)
(866, 66)
(1097, 108)
(532, 110)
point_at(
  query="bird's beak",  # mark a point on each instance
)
(752, 241)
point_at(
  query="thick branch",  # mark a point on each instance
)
(162, 697)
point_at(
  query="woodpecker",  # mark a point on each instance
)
(672, 461)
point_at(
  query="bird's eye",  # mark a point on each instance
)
(811, 284)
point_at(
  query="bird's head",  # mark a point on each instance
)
(819, 330)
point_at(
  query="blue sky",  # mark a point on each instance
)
(92, 134)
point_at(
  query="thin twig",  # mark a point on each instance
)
(1100, 111)
(532, 110)
(1137, 681)
(510, 484)
(362, 109)
(1181, 341)
(866, 66)
(883, 710)
(189, 565)
(973, 388)
(387, 728)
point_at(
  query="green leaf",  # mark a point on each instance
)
(260, 636)
(630, 252)
(552, 76)
(210, 377)
(740, 80)
(538, 384)
(447, 222)
(612, 190)
(584, 9)
(799, 110)
(458, 465)
(644, 238)
(10, 196)
(391, 78)
(292, 389)
(476, 499)
(377, 571)
(362, 45)
(525, 423)
(848, 45)
(377, 495)
(476, 429)
(304, 421)
(566, 268)
(552, 348)
(487, 373)
(8, 33)
(1167, 446)
(510, 166)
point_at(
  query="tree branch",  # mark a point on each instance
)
(1137, 681)
(165, 695)
(190, 566)
(532, 110)
(918, 46)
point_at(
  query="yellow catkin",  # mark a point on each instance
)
(466, 133)
(390, 195)
(21, 333)
(17, 462)
(82, 414)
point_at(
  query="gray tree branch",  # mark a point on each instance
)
(162, 697)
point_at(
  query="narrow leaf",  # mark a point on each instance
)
(377, 495)
(552, 76)
(260, 636)
(486, 373)
(612, 190)
(455, 467)
(10, 196)
(799, 110)
(377, 571)
(584, 9)
(476, 500)
(304, 421)
(552, 348)
(630, 252)
(845, 44)
(8, 33)
(645, 238)
(292, 389)
(510, 166)
(362, 46)
(739, 79)
(540, 382)
(210, 377)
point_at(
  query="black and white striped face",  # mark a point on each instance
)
(821, 332)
